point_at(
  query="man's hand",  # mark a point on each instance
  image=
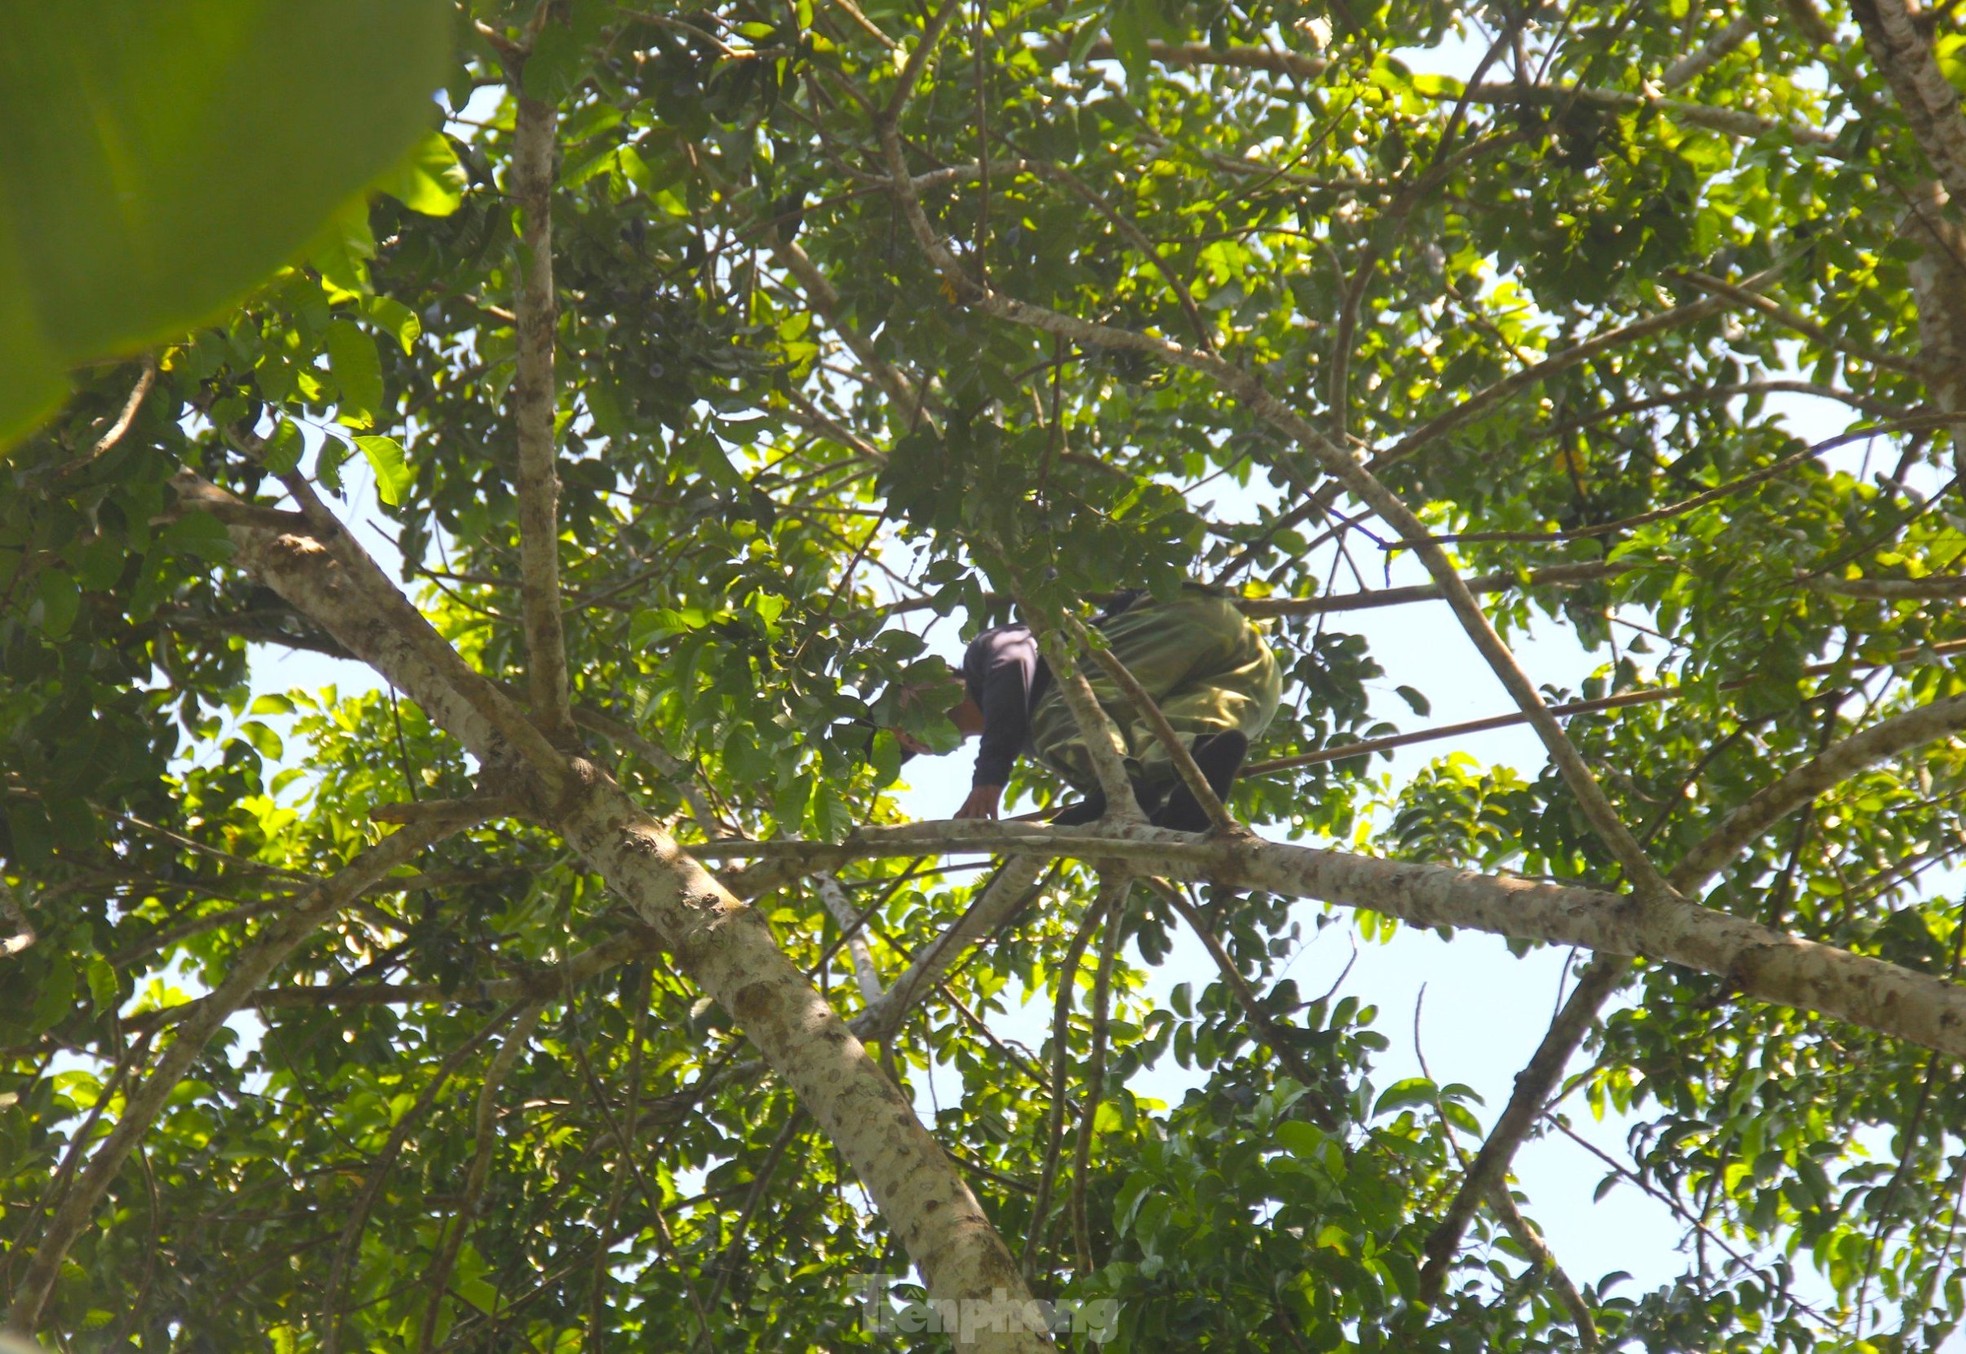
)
(982, 802)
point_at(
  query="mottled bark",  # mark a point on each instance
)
(533, 406)
(1755, 960)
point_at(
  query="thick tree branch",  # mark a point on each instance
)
(1693, 64)
(534, 403)
(825, 300)
(846, 914)
(1544, 1259)
(328, 577)
(1730, 121)
(999, 901)
(1938, 286)
(1755, 960)
(1837, 763)
(1094, 727)
(1605, 973)
(1527, 1100)
(1927, 99)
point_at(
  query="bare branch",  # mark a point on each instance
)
(1110, 893)
(1772, 803)
(329, 578)
(846, 914)
(1690, 66)
(1095, 1076)
(1102, 741)
(1730, 121)
(998, 902)
(1544, 1259)
(1794, 320)
(824, 299)
(1252, 1009)
(1532, 1089)
(119, 429)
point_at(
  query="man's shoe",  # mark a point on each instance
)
(1219, 756)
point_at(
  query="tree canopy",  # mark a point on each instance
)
(581, 985)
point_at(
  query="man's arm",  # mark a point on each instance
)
(998, 670)
(982, 802)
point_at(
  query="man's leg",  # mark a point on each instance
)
(1208, 671)
(1220, 702)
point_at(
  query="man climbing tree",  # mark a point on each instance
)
(491, 954)
(1204, 666)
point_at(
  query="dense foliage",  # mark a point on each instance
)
(1548, 307)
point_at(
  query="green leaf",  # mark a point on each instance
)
(58, 601)
(282, 451)
(198, 533)
(162, 159)
(1301, 1139)
(393, 317)
(56, 997)
(103, 988)
(393, 475)
(1411, 1091)
(429, 179)
(358, 371)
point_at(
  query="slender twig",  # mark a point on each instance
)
(1692, 65)
(727, 1261)
(1061, 1058)
(485, 1132)
(1789, 318)
(248, 971)
(126, 419)
(349, 1242)
(1095, 1085)
(1648, 696)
